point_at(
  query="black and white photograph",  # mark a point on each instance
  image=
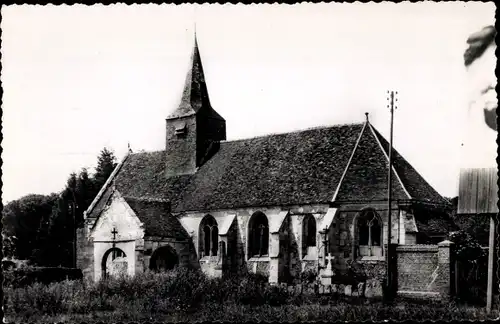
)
(265, 162)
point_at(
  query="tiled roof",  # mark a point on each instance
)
(298, 167)
(157, 219)
(414, 183)
(366, 177)
(282, 169)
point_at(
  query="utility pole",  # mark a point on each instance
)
(73, 208)
(389, 287)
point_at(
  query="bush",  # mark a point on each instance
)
(25, 276)
(189, 295)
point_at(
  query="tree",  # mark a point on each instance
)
(42, 228)
(106, 163)
(22, 219)
(85, 192)
(60, 234)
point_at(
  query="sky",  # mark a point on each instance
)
(79, 78)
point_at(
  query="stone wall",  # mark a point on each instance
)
(343, 235)
(184, 250)
(424, 270)
(85, 253)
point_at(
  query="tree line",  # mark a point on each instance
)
(41, 228)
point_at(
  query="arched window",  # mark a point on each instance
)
(258, 238)
(308, 234)
(369, 234)
(209, 236)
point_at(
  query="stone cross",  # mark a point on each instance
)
(329, 258)
(326, 276)
(114, 232)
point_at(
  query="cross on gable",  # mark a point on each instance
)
(114, 232)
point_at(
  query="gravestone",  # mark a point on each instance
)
(341, 289)
(368, 289)
(373, 288)
(348, 290)
(361, 289)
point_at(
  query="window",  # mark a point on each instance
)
(258, 238)
(180, 129)
(209, 236)
(369, 234)
(308, 235)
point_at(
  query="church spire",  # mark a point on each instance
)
(195, 93)
(194, 129)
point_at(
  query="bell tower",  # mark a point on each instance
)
(194, 129)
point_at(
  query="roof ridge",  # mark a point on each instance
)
(147, 152)
(106, 185)
(294, 131)
(146, 199)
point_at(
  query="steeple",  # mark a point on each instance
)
(194, 129)
(195, 93)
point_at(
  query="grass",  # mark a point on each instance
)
(184, 295)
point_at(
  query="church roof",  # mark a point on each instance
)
(277, 169)
(345, 162)
(157, 221)
(195, 93)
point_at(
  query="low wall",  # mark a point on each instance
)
(424, 271)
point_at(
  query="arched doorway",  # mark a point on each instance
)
(114, 263)
(163, 259)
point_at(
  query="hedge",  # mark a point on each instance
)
(21, 277)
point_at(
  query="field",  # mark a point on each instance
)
(184, 295)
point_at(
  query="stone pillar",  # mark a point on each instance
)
(274, 255)
(444, 280)
(85, 253)
(221, 258)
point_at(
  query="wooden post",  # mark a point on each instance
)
(489, 292)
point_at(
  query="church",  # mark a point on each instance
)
(280, 205)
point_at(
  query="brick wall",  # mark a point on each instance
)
(424, 270)
(416, 265)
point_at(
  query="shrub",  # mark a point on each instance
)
(275, 295)
(25, 276)
(308, 276)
